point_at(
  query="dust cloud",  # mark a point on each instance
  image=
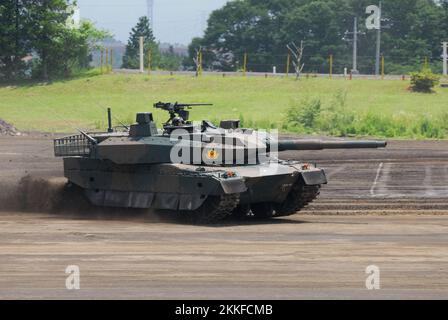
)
(55, 196)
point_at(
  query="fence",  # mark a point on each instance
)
(333, 64)
(246, 63)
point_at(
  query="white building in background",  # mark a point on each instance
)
(74, 20)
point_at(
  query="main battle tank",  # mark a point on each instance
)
(197, 169)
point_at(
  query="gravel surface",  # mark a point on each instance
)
(387, 208)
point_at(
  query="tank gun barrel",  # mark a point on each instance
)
(285, 145)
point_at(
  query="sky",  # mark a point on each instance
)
(175, 21)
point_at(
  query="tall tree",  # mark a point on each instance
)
(14, 45)
(40, 28)
(48, 20)
(131, 59)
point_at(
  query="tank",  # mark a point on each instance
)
(205, 172)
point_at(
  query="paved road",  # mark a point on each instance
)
(394, 216)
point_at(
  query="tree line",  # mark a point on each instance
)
(38, 39)
(413, 30)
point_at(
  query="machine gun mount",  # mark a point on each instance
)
(179, 114)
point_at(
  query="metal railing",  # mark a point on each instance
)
(72, 146)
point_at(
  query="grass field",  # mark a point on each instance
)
(64, 105)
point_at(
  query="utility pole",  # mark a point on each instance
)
(16, 54)
(445, 58)
(378, 43)
(142, 56)
(355, 46)
(331, 66)
(149, 60)
(150, 4)
(200, 63)
(245, 64)
(107, 60)
(355, 34)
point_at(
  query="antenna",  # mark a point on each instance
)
(150, 4)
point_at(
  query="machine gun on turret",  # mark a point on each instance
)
(178, 114)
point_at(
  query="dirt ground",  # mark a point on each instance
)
(387, 208)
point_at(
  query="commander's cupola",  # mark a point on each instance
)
(145, 126)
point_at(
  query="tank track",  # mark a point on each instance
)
(298, 198)
(216, 209)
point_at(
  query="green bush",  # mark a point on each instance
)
(424, 81)
(305, 115)
(334, 118)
